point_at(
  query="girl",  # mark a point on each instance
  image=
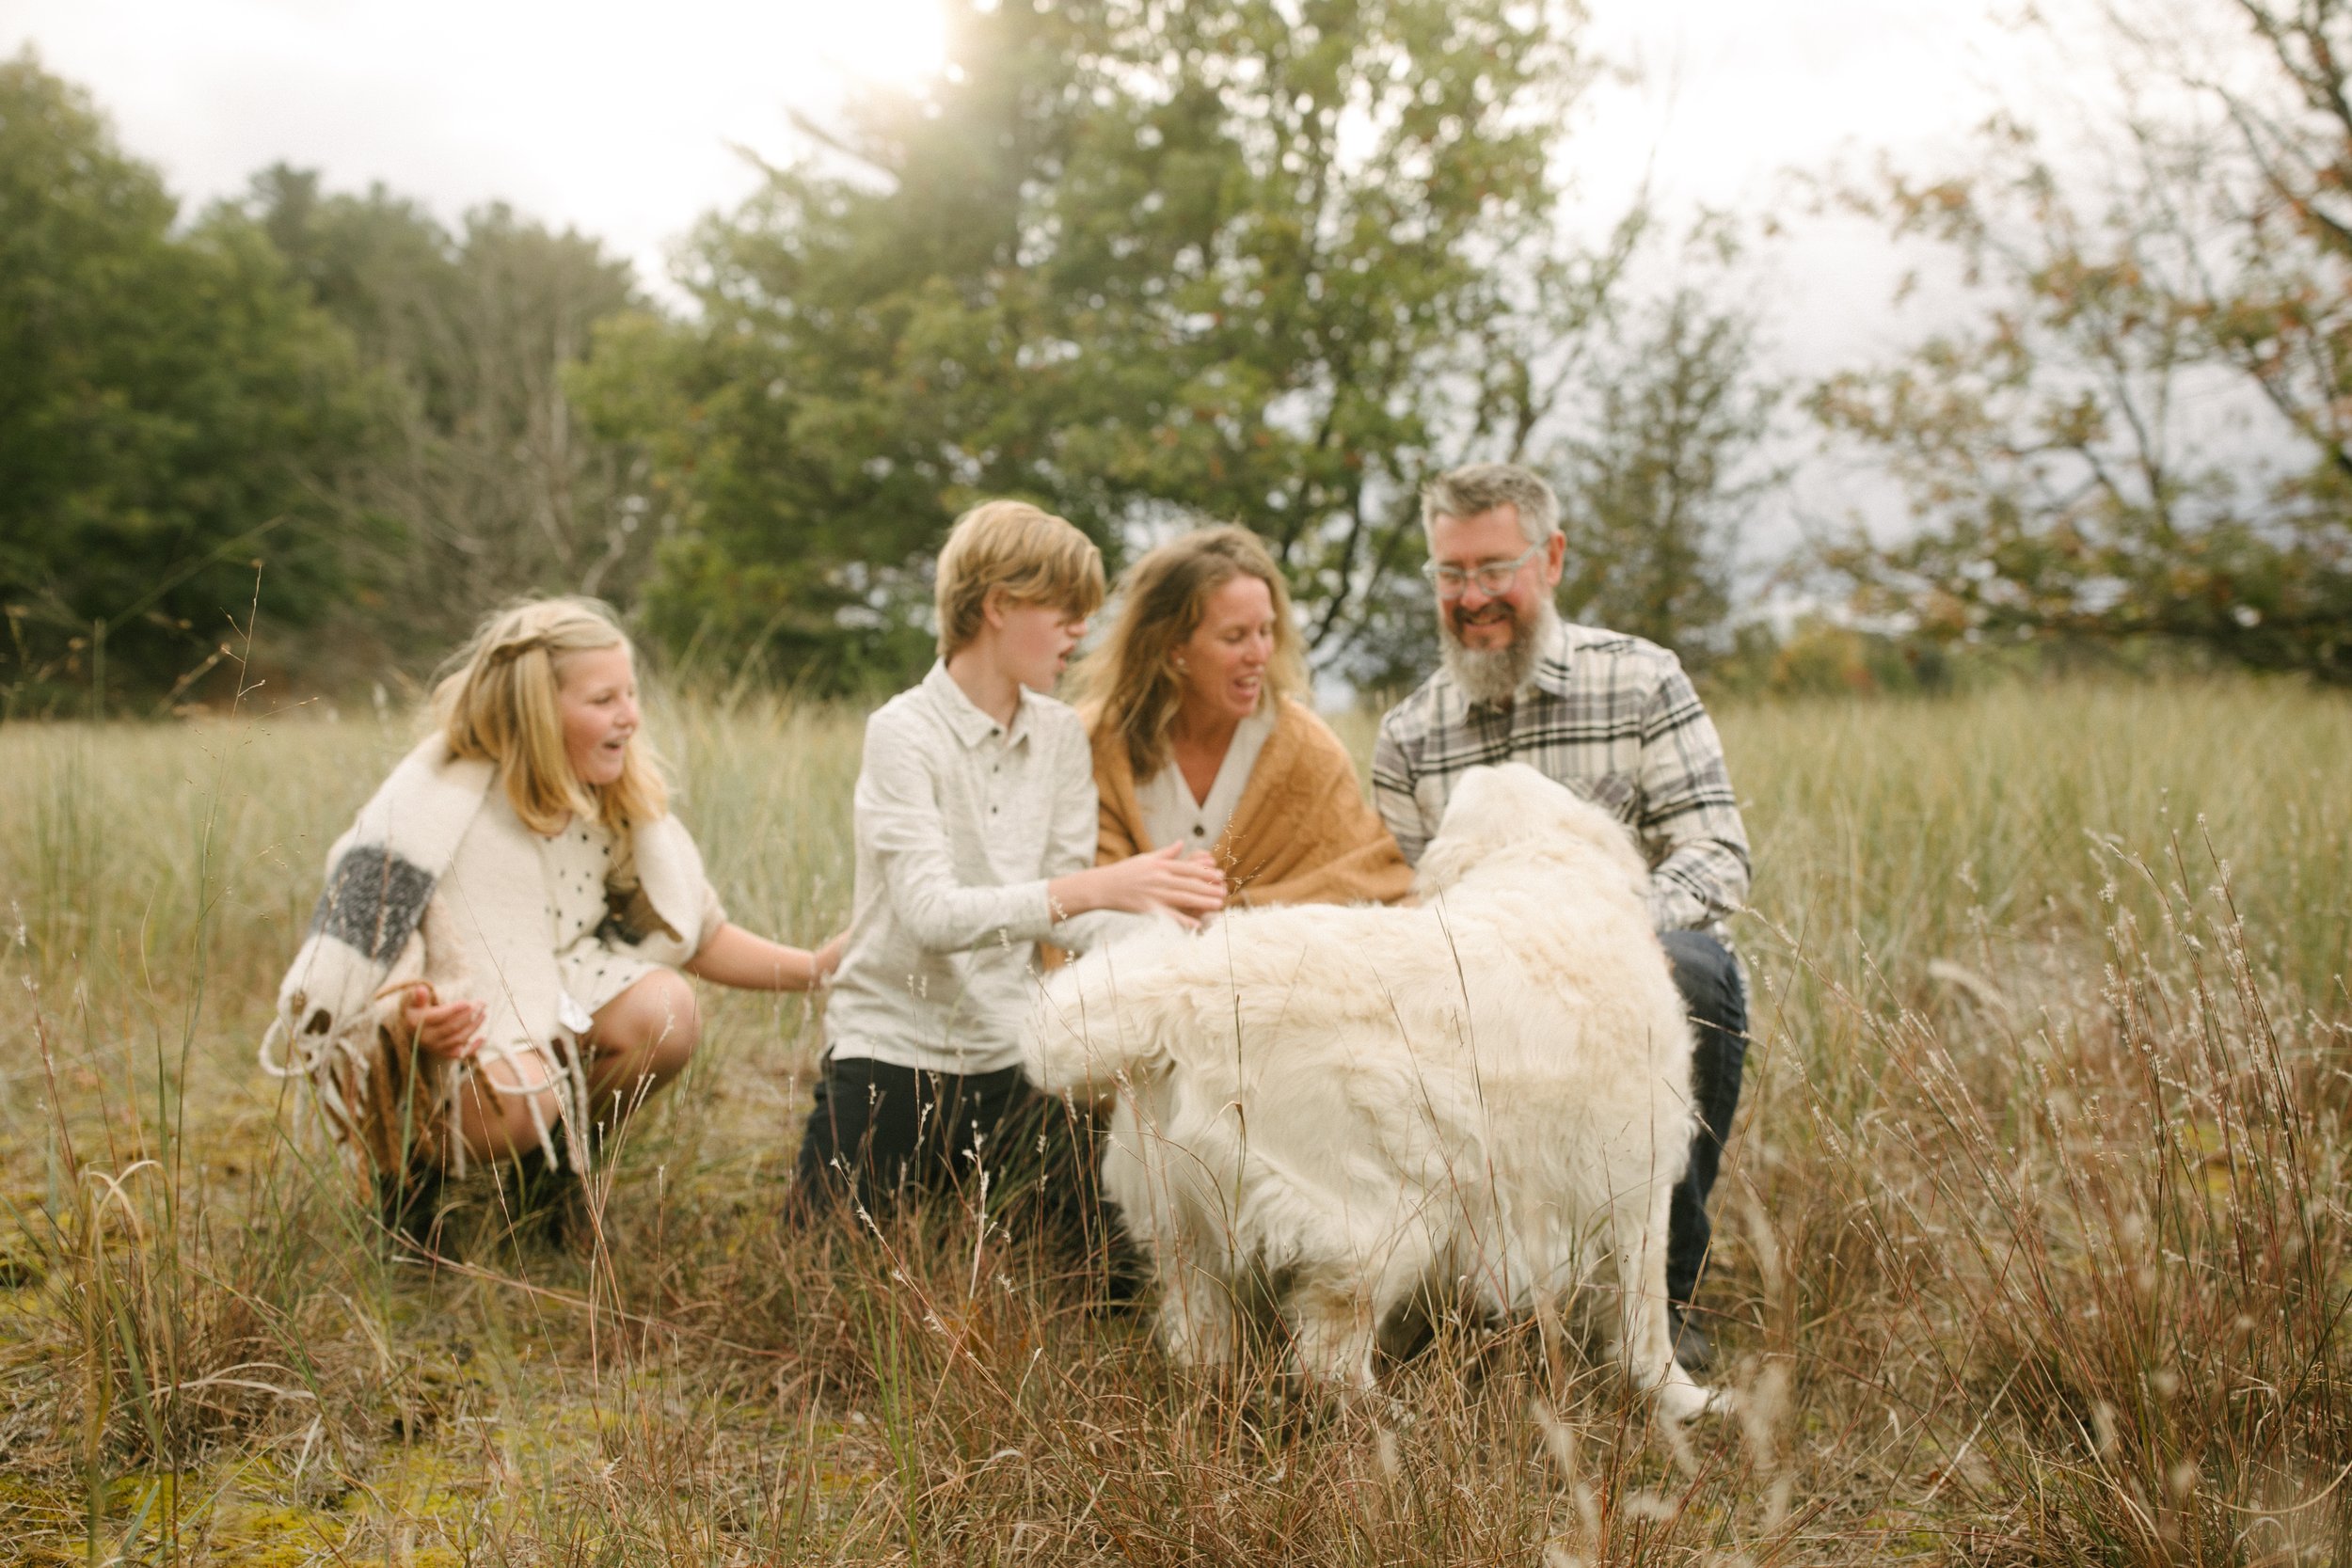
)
(493, 971)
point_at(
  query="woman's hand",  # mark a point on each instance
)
(1158, 881)
(449, 1030)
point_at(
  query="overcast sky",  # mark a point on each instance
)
(623, 121)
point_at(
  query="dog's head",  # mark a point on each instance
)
(1513, 813)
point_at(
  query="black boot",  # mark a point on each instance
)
(409, 1203)
(551, 1198)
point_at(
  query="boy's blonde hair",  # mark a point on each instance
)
(1033, 556)
(497, 701)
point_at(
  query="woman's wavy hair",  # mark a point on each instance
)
(496, 700)
(1130, 681)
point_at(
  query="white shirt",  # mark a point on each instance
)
(960, 822)
(1170, 815)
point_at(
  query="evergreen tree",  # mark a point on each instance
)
(483, 482)
(171, 413)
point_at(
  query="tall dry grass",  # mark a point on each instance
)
(2033, 1233)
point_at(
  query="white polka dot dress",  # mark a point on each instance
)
(578, 865)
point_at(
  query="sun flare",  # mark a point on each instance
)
(887, 43)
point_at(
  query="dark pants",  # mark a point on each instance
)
(1708, 975)
(884, 1134)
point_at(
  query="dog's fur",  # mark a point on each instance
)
(1350, 1111)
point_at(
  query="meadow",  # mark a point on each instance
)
(2032, 1239)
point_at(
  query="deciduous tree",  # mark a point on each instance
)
(1140, 262)
(1658, 486)
(2069, 454)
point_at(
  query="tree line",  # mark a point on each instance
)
(1146, 263)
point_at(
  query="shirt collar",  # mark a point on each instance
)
(964, 717)
(1551, 665)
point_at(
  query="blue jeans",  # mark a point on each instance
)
(1708, 975)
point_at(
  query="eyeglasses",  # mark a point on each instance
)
(1493, 578)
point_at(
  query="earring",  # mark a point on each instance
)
(1182, 667)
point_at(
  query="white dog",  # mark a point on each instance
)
(1347, 1112)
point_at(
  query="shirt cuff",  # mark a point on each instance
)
(1084, 933)
(1030, 912)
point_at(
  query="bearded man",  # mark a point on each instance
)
(1612, 716)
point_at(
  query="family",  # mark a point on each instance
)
(495, 973)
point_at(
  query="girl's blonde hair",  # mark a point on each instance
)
(1033, 556)
(1131, 683)
(496, 700)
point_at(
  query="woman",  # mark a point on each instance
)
(494, 965)
(1201, 736)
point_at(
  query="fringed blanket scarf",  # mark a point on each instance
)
(436, 881)
(1301, 833)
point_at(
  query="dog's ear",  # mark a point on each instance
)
(1447, 860)
(1513, 808)
(1584, 818)
(1477, 822)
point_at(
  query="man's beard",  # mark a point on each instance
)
(1495, 676)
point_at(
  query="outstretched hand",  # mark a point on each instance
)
(1208, 879)
(1164, 881)
(735, 957)
(828, 958)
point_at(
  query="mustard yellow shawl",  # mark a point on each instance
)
(1301, 833)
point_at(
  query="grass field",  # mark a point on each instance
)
(2033, 1233)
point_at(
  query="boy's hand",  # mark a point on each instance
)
(1188, 919)
(449, 1030)
(1187, 886)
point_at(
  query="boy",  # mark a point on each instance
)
(976, 824)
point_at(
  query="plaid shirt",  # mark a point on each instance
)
(1609, 714)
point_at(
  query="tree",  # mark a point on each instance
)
(171, 414)
(489, 484)
(1653, 494)
(1137, 261)
(2051, 449)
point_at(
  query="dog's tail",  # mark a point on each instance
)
(1104, 1018)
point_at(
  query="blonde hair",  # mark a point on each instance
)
(1033, 556)
(1130, 681)
(496, 700)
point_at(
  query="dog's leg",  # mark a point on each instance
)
(1645, 1333)
(1333, 1332)
(1198, 1325)
(1198, 1322)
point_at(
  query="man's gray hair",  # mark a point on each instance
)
(1477, 487)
